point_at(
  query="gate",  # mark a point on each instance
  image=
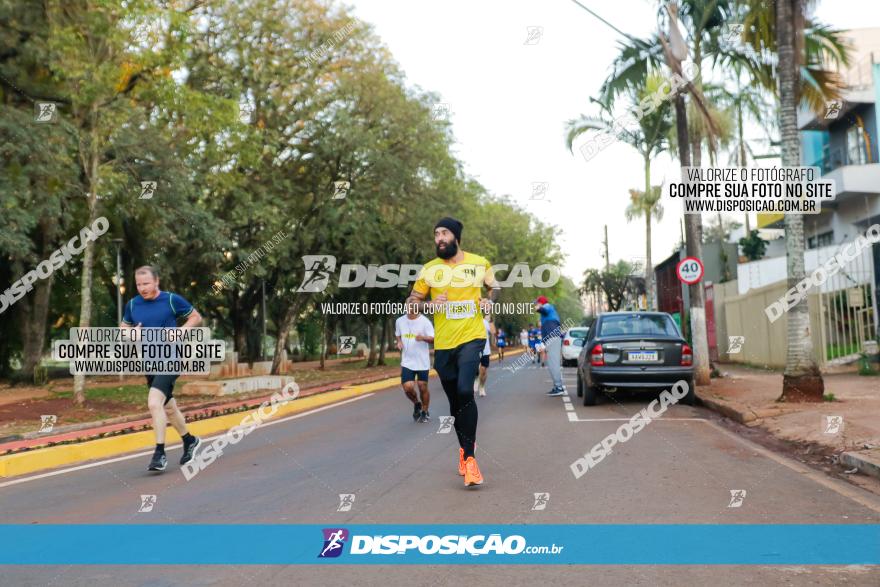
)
(847, 308)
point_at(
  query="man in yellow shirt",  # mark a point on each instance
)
(455, 281)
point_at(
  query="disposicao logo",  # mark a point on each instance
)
(334, 541)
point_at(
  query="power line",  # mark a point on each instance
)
(604, 21)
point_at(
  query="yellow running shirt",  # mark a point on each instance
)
(462, 320)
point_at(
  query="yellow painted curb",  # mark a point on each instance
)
(67, 454)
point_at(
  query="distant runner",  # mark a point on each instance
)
(534, 339)
(501, 343)
(524, 337)
(454, 281)
(154, 308)
(485, 357)
(414, 334)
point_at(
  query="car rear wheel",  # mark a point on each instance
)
(591, 395)
(691, 397)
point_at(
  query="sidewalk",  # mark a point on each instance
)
(749, 396)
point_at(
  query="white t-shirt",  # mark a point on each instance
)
(416, 354)
(487, 350)
(524, 337)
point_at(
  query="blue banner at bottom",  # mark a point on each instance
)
(601, 544)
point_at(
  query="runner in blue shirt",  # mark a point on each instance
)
(534, 339)
(501, 343)
(161, 309)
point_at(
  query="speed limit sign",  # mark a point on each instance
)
(689, 270)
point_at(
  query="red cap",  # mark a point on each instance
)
(542, 300)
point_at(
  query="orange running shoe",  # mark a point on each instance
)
(461, 462)
(472, 475)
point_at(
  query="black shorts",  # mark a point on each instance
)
(484, 361)
(410, 375)
(460, 363)
(164, 383)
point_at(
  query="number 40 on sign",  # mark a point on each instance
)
(689, 270)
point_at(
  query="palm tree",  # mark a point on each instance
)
(746, 102)
(635, 62)
(802, 53)
(649, 138)
(801, 379)
(646, 204)
(703, 20)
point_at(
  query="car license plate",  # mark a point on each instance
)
(642, 356)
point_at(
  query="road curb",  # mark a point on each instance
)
(869, 464)
(194, 412)
(742, 416)
(52, 457)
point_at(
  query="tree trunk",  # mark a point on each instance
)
(372, 335)
(742, 144)
(649, 268)
(91, 160)
(284, 328)
(693, 247)
(324, 344)
(34, 318)
(383, 343)
(391, 341)
(240, 338)
(801, 380)
(35, 314)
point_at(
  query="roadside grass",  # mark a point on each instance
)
(126, 394)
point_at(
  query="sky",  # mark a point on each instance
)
(509, 95)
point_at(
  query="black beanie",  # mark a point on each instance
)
(451, 224)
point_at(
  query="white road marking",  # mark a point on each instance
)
(149, 452)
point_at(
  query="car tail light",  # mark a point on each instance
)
(597, 356)
(687, 356)
(566, 342)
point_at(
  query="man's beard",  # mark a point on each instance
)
(449, 251)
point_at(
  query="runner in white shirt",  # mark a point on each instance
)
(524, 337)
(484, 357)
(414, 335)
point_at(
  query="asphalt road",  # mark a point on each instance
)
(679, 469)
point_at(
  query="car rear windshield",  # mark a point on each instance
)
(578, 333)
(638, 325)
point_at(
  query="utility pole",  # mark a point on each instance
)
(675, 52)
(607, 258)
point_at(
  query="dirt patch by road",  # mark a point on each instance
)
(27, 416)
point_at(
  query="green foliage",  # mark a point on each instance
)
(309, 332)
(615, 283)
(753, 246)
(245, 113)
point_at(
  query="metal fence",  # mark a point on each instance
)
(848, 308)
